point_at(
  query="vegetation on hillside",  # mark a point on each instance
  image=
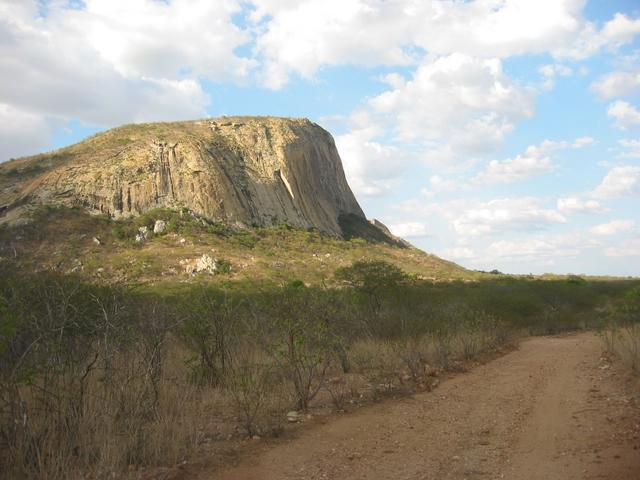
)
(62, 239)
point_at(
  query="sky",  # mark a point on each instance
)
(500, 134)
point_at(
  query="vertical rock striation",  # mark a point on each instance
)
(240, 170)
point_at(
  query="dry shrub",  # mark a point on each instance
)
(413, 353)
(344, 389)
(258, 391)
(124, 414)
(624, 341)
(377, 362)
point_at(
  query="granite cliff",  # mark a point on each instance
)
(242, 171)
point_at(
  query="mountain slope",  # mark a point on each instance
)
(264, 199)
(244, 171)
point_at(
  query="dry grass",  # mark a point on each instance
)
(120, 421)
(624, 341)
(60, 238)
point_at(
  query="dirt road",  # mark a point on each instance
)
(552, 409)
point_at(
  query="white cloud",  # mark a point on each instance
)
(616, 84)
(114, 62)
(544, 249)
(458, 253)
(618, 31)
(301, 36)
(631, 146)
(628, 248)
(583, 142)
(622, 181)
(146, 38)
(511, 170)
(21, 133)
(506, 214)
(554, 69)
(370, 167)
(409, 229)
(374, 32)
(569, 205)
(625, 114)
(440, 184)
(551, 71)
(459, 102)
(535, 161)
(614, 227)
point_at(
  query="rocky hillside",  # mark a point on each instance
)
(242, 171)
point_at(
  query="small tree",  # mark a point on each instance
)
(299, 339)
(373, 279)
(209, 320)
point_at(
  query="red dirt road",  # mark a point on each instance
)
(552, 410)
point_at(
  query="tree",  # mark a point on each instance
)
(373, 279)
(210, 318)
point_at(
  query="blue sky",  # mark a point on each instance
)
(496, 133)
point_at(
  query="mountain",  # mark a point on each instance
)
(259, 198)
(241, 171)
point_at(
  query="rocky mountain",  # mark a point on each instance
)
(242, 171)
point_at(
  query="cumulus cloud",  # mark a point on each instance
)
(506, 214)
(554, 69)
(409, 229)
(514, 169)
(616, 84)
(569, 205)
(631, 147)
(465, 103)
(613, 228)
(551, 71)
(113, 62)
(618, 31)
(621, 181)
(458, 253)
(544, 249)
(536, 160)
(628, 248)
(370, 167)
(21, 133)
(372, 32)
(626, 115)
(331, 32)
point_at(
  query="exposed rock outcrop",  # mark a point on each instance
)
(241, 171)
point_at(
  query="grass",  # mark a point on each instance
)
(272, 254)
(620, 329)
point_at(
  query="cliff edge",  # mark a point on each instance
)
(244, 171)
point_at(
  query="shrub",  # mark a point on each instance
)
(373, 279)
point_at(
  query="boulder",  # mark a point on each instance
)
(143, 233)
(203, 264)
(206, 264)
(159, 227)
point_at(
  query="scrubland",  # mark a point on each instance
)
(112, 363)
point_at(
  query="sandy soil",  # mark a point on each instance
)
(552, 409)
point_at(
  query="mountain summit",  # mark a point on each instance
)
(244, 171)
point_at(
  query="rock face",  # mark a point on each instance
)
(241, 171)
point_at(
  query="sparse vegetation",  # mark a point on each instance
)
(130, 363)
(621, 329)
(95, 378)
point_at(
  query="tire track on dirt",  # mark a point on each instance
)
(553, 409)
